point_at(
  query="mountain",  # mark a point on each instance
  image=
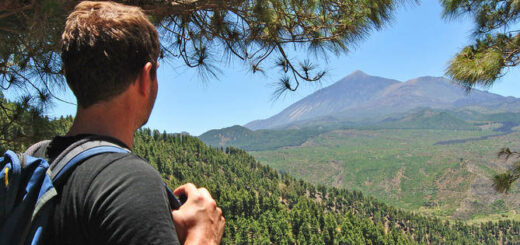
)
(361, 97)
(350, 92)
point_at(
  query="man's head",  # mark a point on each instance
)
(105, 47)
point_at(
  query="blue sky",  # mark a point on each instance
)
(418, 42)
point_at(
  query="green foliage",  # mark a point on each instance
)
(503, 182)
(497, 41)
(21, 124)
(500, 117)
(497, 46)
(499, 205)
(30, 33)
(427, 119)
(480, 64)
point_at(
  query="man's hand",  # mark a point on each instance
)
(198, 220)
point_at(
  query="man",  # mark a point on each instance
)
(109, 54)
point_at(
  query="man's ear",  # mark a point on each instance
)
(144, 79)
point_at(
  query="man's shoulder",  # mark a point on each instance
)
(88, 169)
(114, 166)
(60, 144)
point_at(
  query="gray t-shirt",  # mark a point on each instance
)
(111, 198)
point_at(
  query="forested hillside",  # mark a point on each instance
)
(262, 206)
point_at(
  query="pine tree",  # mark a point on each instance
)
(497, 40)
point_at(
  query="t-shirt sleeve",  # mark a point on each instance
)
(128, 204)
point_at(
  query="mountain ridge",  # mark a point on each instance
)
(324, 99)
(360, 96)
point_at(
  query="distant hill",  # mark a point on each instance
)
(294, 135)
(350, 92)
(361, 97)
(259, 140)
(427, 119)
(226, 135)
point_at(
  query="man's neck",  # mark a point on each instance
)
(105, 120)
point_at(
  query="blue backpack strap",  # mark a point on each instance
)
(39, 149)
(77, 152)
(66, 166)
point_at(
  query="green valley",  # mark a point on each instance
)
(406, 168)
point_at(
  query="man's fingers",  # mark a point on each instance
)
(220, 228)
(187, 189)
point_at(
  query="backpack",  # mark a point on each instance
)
(28, 187)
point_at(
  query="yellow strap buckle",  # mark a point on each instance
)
(6, 170)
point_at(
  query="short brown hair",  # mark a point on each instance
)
(104, 47)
